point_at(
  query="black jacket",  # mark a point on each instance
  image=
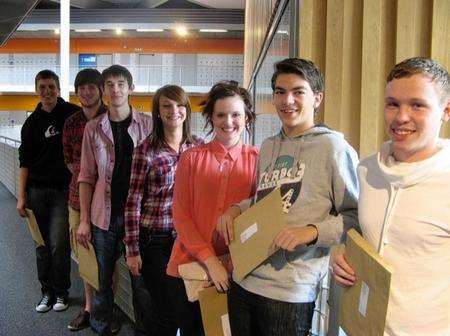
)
(41, 150)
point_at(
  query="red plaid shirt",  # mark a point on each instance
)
(149, 203)
(72, 140)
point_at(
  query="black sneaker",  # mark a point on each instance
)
(80, 322)
(61, 304)
(45, 304)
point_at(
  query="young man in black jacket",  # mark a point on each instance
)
(43, 188)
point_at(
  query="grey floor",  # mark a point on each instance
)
(19, 288)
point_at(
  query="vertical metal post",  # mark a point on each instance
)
(294, 28)
(64, 50)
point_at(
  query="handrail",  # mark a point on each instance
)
(15, 141)
(274, 21)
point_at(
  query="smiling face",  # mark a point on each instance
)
(172, 113)
(295, 103)
(48, 93)
(89, 95)
(413, 113)
(117, 91)
(228, 120)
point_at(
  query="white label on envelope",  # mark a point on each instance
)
(363, 298)
(226, 325)
(250, 231)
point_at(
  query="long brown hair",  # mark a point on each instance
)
(175, 93)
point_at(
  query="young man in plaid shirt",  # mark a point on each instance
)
(88, 88)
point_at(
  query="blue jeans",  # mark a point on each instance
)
(108, 245)
(53, 260)
(254, 315)
(108, 248)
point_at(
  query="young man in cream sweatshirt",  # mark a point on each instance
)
(404, 205)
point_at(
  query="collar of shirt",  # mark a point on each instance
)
(105, 125)
(221, 152)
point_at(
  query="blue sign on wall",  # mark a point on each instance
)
(87, 60)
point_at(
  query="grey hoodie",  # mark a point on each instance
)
(319, 186)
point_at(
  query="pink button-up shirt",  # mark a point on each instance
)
(97, 160)
(209, 179)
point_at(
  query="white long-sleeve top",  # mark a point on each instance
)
(404, 212)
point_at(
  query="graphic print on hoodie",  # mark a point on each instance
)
(316, 173)
(284, 174)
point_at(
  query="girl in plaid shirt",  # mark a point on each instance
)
(149, 230)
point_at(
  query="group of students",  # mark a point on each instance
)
(150, 187)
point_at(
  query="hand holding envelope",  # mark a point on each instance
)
(254, 232)
(363, 305)
(87, 264)
(214, 309)
(292, 236)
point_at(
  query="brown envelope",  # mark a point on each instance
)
(214, 308)
(87, 264)
(34, 228)
(254, 232)
(364, 305)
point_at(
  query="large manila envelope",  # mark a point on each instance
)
(34, 228)
(364, 305)
(87, 264)
(214, 308)
(254, 232)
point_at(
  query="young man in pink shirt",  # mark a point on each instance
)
(104, 178)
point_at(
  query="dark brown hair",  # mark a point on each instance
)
(302, 67)
(46, 74)
(223, 90)
(117, 70)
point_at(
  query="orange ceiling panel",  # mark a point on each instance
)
(127, 45)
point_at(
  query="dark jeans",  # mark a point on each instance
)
(254, 315)
(53, 259)
(109, 247)
(187, 313)
(144, 308)
(155, 250)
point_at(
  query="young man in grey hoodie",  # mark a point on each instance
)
(315, 168)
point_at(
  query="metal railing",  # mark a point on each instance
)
(9, 168)
(9, 163)
(147, 78)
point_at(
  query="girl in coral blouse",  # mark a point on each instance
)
(209, 179)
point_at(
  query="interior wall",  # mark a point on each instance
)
(355, 43)
(257, 17)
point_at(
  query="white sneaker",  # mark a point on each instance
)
(45, 304)
(61, 304)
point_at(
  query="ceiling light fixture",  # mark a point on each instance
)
(118, 31)
(56, 31)
(213, 30)
(181, 31)
(88, 30)
(149, 30)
